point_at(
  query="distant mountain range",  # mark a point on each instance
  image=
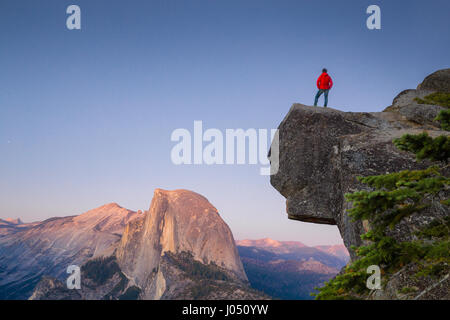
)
(179, 249)
(32, 250)
(9, 225)
(289, 269)
(11, 221)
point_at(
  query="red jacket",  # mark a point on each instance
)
(324, 82)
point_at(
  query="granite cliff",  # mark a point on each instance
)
(322, 151)
(178, 221)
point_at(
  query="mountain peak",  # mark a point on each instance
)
(268, 243)
(190, 200)
(179, 193)
(61, 241)
(110, 217)
(265, 242)
(338, 250)
(112, 205)
(178, 221)
(13, 221)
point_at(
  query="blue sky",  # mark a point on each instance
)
(86, 115)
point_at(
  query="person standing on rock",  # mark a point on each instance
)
(324, 84)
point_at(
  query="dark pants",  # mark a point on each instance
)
(319, 93)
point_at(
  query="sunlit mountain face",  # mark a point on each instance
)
(290, 269)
